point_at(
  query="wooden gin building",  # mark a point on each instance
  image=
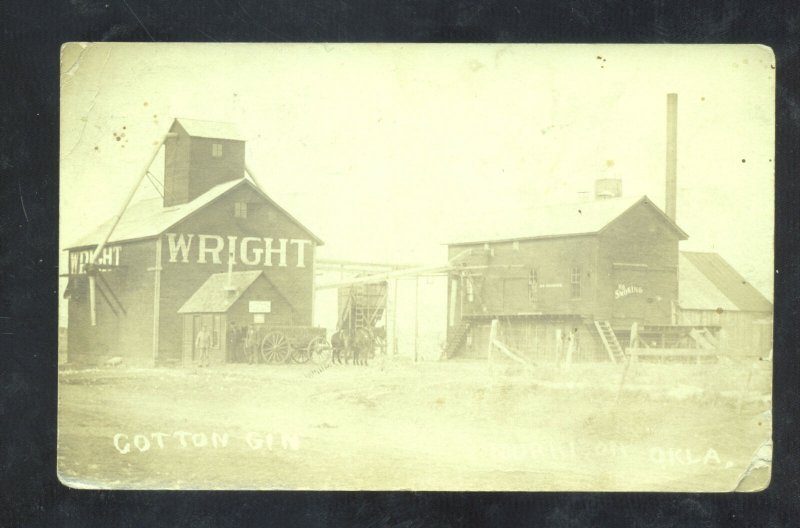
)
(213, 228)
(585, 271)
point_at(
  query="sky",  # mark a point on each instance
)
(388, 151)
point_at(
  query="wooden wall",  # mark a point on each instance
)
(126, 335)
(638, 251)
(131, 335)
(741, 333)
(502, 288)
(176, 167)
(190, 169)
(536, 339)
(207, 171)
(180, 280)
(629, 272)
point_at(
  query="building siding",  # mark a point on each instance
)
(131, 335)
(127, 335)
(638, 251)
(628, 273)
(740, 333)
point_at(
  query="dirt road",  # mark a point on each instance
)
(454, 425)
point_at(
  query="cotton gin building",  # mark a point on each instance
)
(588, 270)
(213, 250)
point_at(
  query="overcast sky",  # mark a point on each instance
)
(387, 151)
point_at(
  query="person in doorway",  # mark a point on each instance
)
(201, 344)
(233, 341)
(250, 344)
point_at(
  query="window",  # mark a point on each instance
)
(533, 286)
(516, 245)
(216, 150)
(575, 282)
(240, 209)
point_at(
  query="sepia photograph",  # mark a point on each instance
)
(427, 267)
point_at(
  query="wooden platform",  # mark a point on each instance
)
(670, 352)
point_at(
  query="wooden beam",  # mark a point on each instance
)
(671, 352)
(128, 198)
(381, 277)
(390, 266)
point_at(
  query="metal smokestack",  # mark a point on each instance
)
(672, 156)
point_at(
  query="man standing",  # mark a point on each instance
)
(201, 344)
(250, 344)
(233, 341)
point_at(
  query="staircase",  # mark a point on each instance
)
(457, 338)
(365, 306)
(610, 342)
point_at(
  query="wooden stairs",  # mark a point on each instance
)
(362, 310)
(609, 338)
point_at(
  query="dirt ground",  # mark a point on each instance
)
(455, 425)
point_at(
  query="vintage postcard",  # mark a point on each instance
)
(416, 267)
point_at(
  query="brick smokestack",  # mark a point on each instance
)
(670, 205)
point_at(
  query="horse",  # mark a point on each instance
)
(362, 345)
(340, 342)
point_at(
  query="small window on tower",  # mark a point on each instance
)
(216, 150)
(240, 209)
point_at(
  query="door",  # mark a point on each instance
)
(215, 330)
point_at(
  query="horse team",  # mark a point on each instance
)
(347, 346)
(357, 345)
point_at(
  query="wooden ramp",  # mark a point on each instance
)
(704, 338)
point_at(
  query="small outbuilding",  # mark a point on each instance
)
(713, 294)
(225, 305)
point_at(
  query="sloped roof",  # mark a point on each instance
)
(210, 129)
(696, 292)
(710, 279)
(583, 218)
(148, 218)
(216, 295)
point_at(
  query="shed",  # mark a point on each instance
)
(713, 293)
(225, 305)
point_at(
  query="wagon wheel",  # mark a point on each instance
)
(318, 350)
(301, 354)
(275, 348)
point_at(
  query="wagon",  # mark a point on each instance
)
(280, 344)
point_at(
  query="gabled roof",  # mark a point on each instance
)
(696, 292)
(148, 218)
(585, 218)
(210, 129)
(216, 294)
(708, 282)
